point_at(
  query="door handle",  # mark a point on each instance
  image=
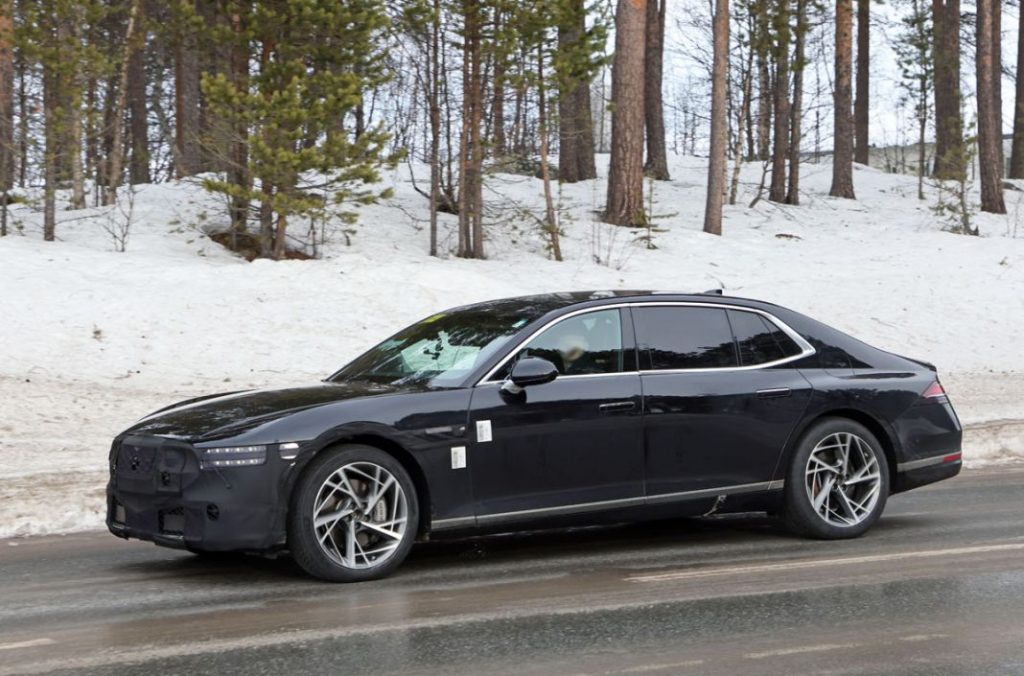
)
(617, 406)
(774, 392)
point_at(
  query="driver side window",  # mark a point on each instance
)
(585, 344)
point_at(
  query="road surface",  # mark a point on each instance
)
(936, 588)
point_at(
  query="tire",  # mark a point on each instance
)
(830, 498)
(357, 494)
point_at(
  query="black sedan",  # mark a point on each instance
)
(553, 410)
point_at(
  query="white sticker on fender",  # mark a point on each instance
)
(483, 431)
(458, 457)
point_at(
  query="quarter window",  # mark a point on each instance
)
(684, 338)
(583, 345)
(759, 340)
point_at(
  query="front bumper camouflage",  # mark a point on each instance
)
(157, 492)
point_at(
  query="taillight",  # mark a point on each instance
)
(935, 393)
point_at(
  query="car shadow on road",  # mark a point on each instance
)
(538, 550)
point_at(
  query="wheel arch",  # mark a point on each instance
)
(392, 448)
(873, 424)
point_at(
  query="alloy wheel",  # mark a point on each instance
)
(843, 479)
(360, 515)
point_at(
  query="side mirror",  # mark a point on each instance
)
(529, 371)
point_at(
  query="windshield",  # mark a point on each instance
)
(440, 350)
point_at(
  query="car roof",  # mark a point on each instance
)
(542, 304)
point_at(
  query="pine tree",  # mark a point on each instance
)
(796, 108)
(6, 108)
(1017, 149)
(184, 32)
(949, 125)
(625, 204)
(780, 32)
(914, 54)
(471, 150)
(316, 58)
(716, 163)
(138, 109)
(861, 102)
(842, 155)
(654, 109)
(990, 137)
(115, 162)
(53, 35)
(576, 60)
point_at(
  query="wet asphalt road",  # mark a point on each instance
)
(936, 588)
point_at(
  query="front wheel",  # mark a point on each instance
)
(838, 481)
(354, 515)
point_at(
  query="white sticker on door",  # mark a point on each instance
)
(458, 457)
(483, 431)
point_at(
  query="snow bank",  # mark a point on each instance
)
(91, 339)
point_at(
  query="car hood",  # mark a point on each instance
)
(229, 414)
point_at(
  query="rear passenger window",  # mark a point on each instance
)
(759, 340)
(684, 338)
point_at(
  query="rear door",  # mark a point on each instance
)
(719, 400)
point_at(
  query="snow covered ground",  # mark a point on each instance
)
(92, 339)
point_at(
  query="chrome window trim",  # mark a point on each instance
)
(521, 344)
(584, 507)
(806, 349)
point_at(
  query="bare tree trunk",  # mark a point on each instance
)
(498, 142)
(780, 97)
(997, 79)
(73, 85)
(238, 161)
(575, 123)
(267, 239)
(434, 83)
(138, 169)
(186, 103)
(796, 111)
(50, 146)
(842, 154)
(764, 80)
(719, 82)
(989, 136)
(922, 119)
(23, 113)
(550, 218)
(625, 204)
(1017, 149)
(949, 155)
(470, 146)
(6, 108)
(654, 109)
(116, 161)
(861, 106)
(279, 238)
(74, 149)
(744, 126)
(476, 154)
(586, 167)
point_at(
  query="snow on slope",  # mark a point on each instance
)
(91, 339)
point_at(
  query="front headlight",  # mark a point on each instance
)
(232, 456)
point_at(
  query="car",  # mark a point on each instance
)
(545, 411)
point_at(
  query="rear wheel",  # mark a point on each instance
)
(838, 481)
(354, 515)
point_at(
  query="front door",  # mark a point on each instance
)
(569, 446)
